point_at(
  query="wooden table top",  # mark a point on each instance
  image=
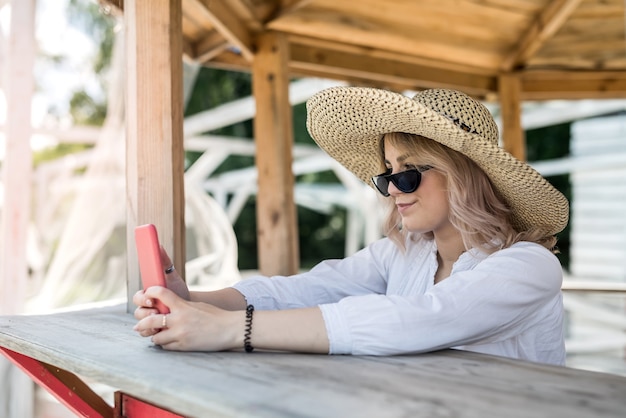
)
(99, 345)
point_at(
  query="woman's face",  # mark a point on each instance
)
(427, 208)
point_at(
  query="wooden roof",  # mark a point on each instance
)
(501, 50)
(557, 48)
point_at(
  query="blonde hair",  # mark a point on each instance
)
(477, 210)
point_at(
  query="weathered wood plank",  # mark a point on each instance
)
(494, 36)
(154, 128)
(511, 109)
(358, 29)
(356, 65)
(549, 21)
(100, 345)
(230, 26)
(273, 134)
(552, 85)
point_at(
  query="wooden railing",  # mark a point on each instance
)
(59, 350)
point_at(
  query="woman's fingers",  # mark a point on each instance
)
(163, 294)
(189, 325)
(144, 305)
(151, 322)
(173, 279)
(140, 299)
(163, 323)
(166, 261)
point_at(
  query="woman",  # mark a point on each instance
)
(468, 261)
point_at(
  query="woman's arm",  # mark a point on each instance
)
(228, 299)
(198, 326)
(362, 273)
(501, 297)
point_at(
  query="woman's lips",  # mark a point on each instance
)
(403, 207)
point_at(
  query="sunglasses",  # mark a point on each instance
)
(406, 181)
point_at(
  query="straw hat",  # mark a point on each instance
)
(348, 123)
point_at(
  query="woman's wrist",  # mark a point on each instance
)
(247, 335)
(228, 299)
(235, 329)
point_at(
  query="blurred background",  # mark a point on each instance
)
(76, 241)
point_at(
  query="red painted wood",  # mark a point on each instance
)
(135, 408)
(64, 386)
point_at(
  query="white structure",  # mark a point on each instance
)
(598, 223)
(598, 243)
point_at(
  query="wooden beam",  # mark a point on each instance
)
(251, 12)
(230, 26)
(511, 110)
(17, 164)
(210, 46)
(344, 65)
(568, 85)
(154, 128)
(542, 28)
(273, 132)
(370, 72)
(386, 55)
(189, 51)
(229, 60)
(290, 6)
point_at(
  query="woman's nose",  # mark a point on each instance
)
(393, 190)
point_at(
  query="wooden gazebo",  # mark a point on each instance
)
(500, 51)
(504, 51)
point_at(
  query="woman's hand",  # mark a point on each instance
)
(190, 326)
(173, 281)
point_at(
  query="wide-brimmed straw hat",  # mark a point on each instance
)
(349, 122)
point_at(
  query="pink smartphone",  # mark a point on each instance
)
(148, 252)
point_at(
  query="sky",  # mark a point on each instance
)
(54, 81)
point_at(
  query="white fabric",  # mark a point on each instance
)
(382, 301)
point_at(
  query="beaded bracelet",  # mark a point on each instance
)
(246, 336)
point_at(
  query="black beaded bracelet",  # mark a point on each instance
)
(246, 336)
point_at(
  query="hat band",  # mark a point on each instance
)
(460, 124)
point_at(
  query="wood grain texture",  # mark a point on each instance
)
(513, 137)
(273, 135)
(154, 128)
(495, 36)
(99, 344)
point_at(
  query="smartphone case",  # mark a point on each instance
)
(148, 253)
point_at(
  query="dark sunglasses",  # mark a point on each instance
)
(406, 181)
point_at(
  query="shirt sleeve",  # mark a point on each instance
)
(328, 282)
(501, 297)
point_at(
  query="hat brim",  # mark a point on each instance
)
(348, 123)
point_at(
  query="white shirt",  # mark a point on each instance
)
(381, 301)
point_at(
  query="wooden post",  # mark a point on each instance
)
(273, 132)
(514, 142)
(17, 164)
(154, 120)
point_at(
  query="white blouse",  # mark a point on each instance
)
(382, 301)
